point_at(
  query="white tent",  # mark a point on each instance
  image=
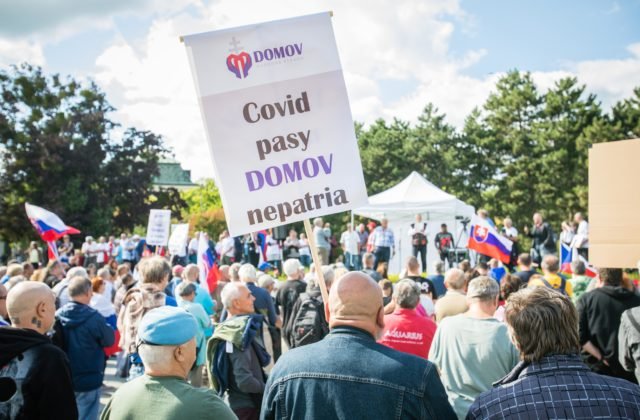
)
(400, 203)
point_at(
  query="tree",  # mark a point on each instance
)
(383, 154)
(60, 150)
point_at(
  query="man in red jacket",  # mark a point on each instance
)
(404, 329)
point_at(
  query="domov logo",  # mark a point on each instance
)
(239, 64)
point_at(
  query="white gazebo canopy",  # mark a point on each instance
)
(400, 203)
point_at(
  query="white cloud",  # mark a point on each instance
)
(15, 52)
(411, 42)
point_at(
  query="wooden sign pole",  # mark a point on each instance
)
(316, 260)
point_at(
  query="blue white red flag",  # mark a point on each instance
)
(48, 225)
(567, 256)
(208, 265)
(52, 251)
(485, 239)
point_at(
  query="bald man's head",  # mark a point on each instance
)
(356, 300)
(31, 305)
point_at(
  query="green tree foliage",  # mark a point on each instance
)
(523, 151)
(202, 198)
(60, 150)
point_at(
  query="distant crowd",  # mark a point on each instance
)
(476, 340)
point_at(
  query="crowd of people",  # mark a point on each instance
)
(476, 339)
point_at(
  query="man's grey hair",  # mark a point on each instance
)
(154, 270)
(231, 292)
(265, 281)
(77, 272)
(438, 267)
(185, 288)
(317, 221)
(104, 273)
(406, 293)
(78, 286)
(292, 267)
(156, 355)
(483, 288)
(233, 271)
(328, 274)
(454, 279)
(366, 257)
(247, 273)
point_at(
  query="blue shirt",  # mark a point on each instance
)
(497, 273)
(438, 283)
(383, 237)
(322, 236)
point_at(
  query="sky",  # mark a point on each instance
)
(397, 56)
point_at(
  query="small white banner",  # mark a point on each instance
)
(178, 239)
(278, 121)
(158, 227)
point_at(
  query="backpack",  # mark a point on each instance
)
(563, 284)
(308, 324)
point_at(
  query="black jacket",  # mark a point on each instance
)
(599, 321)
(35, 379)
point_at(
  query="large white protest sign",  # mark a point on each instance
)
(178, 239)
(158, 227)
(278, 121)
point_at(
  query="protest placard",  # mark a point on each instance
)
(614, 227)
(158, 227)
(278, 122)
(178, 238)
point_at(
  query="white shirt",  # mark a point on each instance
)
(581, 239)
(89, 249)
(273, 249)
(418, 228)
(227, 247)
(304, 247)
(511, 232)
(100, 255)
(350, 241)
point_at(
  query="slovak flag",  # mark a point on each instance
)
(207, 264)
(485, 239)
(49, 226)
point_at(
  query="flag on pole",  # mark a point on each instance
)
(48, 225)
(485, 239)
(52, 250)
(567, 257)
(207, 264)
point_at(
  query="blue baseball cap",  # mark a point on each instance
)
(167, 326)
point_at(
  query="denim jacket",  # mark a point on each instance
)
(348, 375)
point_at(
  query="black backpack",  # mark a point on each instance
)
(308, 324)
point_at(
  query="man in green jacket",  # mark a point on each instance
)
(236, 355)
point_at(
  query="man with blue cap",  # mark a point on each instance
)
(167, 347)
